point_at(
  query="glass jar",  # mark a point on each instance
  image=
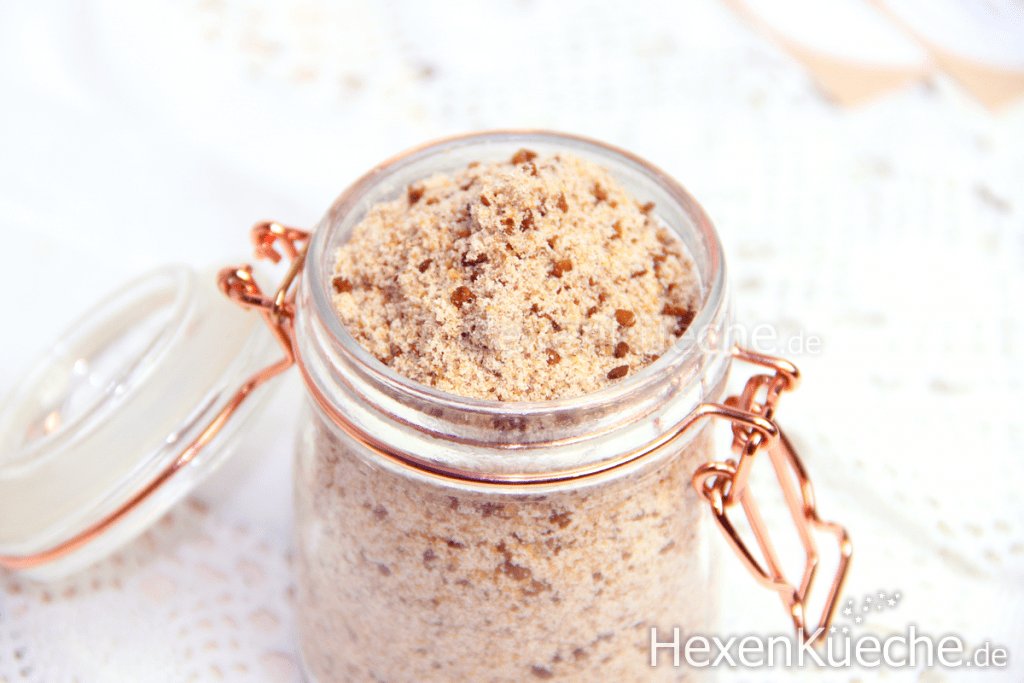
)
(442, 538)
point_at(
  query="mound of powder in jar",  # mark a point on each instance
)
(529, 280)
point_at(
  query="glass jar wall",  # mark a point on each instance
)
(443, 538)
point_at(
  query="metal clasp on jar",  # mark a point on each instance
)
(723, 484)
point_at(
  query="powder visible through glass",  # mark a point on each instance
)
(529, 280)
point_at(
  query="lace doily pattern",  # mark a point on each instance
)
(193, 599)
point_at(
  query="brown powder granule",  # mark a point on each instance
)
(683, 316)
(541, 672)
(414, 193)
(523, 155)
(493, 271)
(561, 266)
(625, 318)
(561, 203)
(619, 372)
(462, 295)
(341, 285)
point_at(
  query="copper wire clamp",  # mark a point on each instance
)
(721, 484)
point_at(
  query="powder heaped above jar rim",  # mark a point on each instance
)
(515, 281)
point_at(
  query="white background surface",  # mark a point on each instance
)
(133, 136)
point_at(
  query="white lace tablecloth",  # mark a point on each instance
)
(138, 134)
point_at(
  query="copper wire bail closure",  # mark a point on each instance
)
(721, 484)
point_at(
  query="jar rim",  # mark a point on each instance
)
(682, 353)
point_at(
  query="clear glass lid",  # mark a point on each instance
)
(110, 408)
